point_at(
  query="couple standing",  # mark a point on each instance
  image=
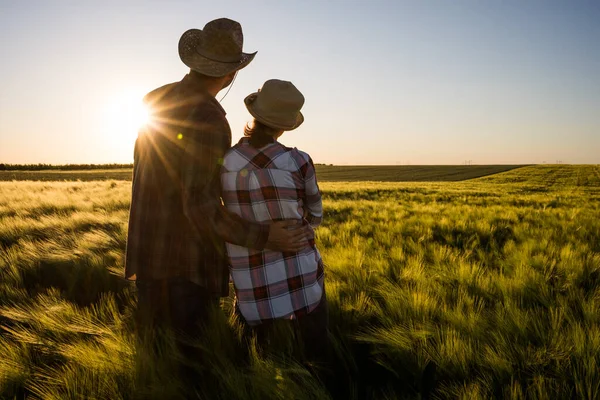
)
(202, 211)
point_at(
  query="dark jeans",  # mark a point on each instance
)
(175, 303)
(179, 305)
(311, 332)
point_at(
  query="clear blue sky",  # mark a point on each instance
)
(420, 82)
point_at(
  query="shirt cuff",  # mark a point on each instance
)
(313, 221)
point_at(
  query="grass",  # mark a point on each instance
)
(488, 288)
(326, 173)
(123, 174)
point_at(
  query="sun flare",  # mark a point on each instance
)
(125, 115)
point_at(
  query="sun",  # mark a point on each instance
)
(125, 115)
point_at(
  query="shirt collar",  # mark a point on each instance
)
(197, 86)
(245, 140)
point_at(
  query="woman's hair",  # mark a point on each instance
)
(259, 134)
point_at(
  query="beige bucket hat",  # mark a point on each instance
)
(215, 50)
(277, 104)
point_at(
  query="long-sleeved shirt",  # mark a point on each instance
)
(177, 223)
(273, 183)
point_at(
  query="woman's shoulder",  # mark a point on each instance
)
(232, 151)
(301, 155)
(234, 158)
(240, 147)
(294, 151)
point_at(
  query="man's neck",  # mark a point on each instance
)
(213, 90)
(212, 87)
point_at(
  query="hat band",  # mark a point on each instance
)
(220, 61)
(277, 120)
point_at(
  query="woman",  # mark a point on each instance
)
(264, 181)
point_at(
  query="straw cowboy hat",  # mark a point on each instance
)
(215, 50)
(277, 105)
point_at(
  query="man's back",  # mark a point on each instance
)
(162, 241)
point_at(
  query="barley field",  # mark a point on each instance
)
(484, 288)
(326, 173)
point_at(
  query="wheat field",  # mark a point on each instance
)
(326, 173)
(486, 288)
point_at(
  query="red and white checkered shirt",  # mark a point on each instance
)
(273, 183)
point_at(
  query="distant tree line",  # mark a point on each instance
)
(72, 167)
(66, 167)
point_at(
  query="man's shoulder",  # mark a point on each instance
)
(160, 93)
(207, 108)
(178, 100)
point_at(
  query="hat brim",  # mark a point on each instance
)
(283, 125)
(204, 65)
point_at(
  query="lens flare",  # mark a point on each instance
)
(125, 115)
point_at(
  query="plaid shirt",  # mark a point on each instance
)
(177, 223)
(272, 184)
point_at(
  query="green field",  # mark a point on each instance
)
(424, 173)
(486, 288)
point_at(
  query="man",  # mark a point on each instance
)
(177, 224)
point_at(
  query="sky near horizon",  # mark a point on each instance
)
(385, 82)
